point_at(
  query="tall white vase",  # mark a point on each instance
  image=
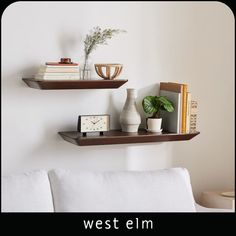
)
(130, 118)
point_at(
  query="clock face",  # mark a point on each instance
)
(94, 123)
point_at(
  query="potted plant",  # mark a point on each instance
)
(153, 105)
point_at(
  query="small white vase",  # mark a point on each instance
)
(130, 118)
(154, 124)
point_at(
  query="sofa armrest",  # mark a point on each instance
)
(200, 208)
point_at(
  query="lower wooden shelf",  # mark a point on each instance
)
(119, 137)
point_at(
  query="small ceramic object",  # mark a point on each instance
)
(65, 61)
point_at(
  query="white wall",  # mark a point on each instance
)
(184, 42)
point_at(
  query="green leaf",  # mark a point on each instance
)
(150, 104)
(164, 100)
(166, 104)
(168, 107)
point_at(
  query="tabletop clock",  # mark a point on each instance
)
(93, 123)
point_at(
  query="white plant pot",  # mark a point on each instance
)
(154, 124)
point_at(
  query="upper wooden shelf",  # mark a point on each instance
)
(76, 84)
(118, 137)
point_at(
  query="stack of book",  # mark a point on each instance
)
(58, 71)
(184, 117)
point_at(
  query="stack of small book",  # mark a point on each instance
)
(58, 71)
(184, 117)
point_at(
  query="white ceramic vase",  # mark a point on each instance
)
(130, 118)
(154, 124)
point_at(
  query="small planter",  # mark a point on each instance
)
(154, 124)
(153, 105)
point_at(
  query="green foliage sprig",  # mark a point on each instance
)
(98, 36)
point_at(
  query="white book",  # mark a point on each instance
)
(58, 69)
(189, 98)
(57, 66)
(59, 74)
(41, 77)
(50, 67)
(171, 121)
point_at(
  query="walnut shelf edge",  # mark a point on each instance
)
(118, 137)
(73, 84)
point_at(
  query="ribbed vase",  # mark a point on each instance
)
(130, 118)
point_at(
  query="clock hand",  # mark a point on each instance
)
(98, 121)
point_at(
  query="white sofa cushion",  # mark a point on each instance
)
(167, 190)
(28, 192)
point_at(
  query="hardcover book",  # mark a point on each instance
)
(189, 97)
(61, 64)
(193, 117)
(184, 105)
(59, 69)
(172, 120)
(58, 77)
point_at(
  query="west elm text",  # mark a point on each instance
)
(114, 224)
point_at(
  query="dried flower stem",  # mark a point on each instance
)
(97, 36)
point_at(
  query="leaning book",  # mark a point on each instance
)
(171, 121)
(183, 105)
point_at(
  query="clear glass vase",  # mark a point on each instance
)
(85, 69)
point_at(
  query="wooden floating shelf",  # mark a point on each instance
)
(118, 137)
(78, 84)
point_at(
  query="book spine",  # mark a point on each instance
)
(58, 74)
(184, 108)
(193, 117)
(178, 107)
(54, 78)
(170, 120)
(59, 70)
(60, 64)
(189, 97)
(180, 114)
